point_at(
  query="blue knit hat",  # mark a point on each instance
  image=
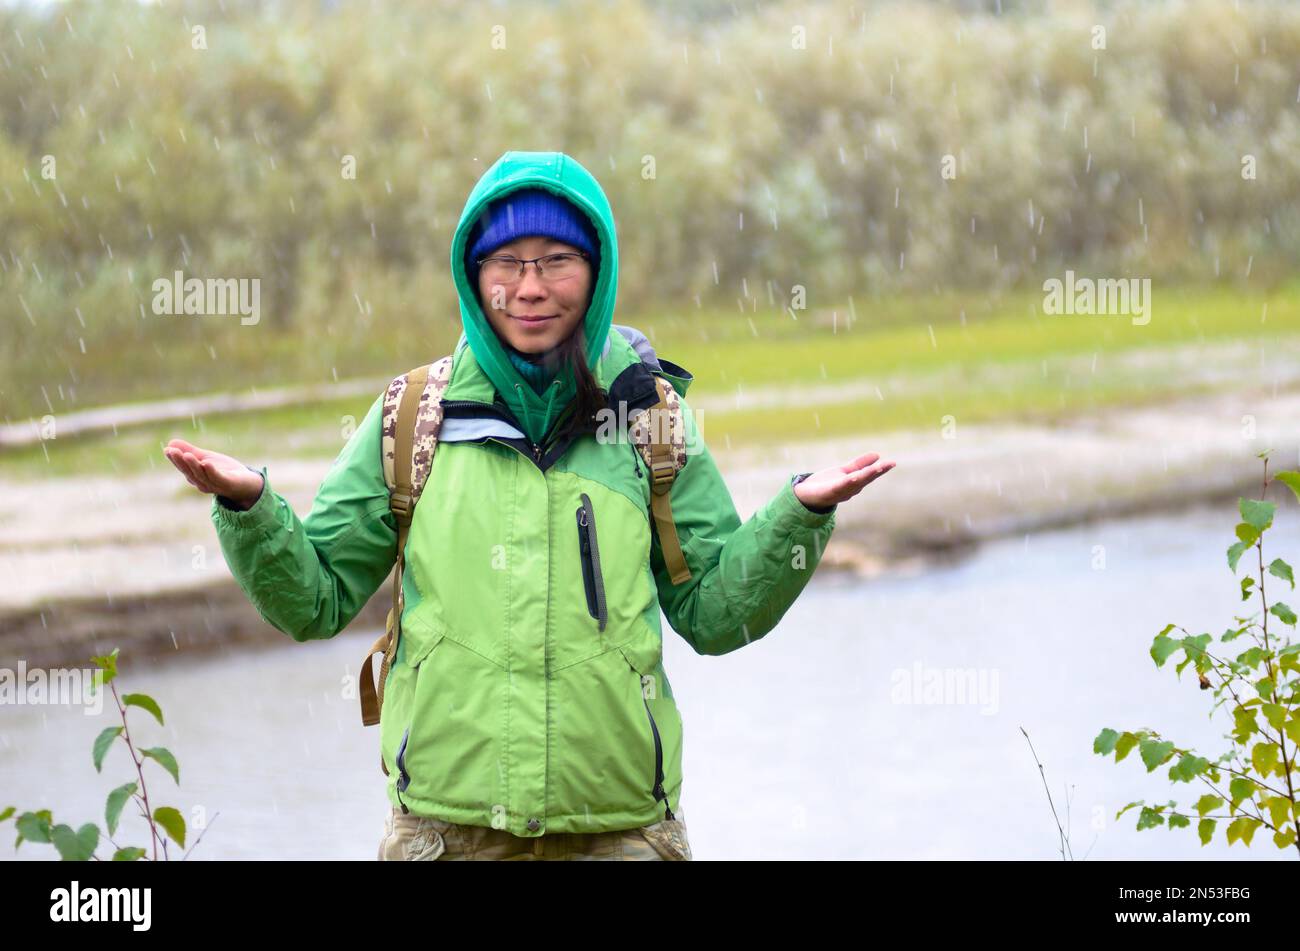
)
(526, 212)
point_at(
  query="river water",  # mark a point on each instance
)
(881, 719)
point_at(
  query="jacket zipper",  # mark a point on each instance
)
(658, 789)
(537, 453)
(592, 580)
(403, 778)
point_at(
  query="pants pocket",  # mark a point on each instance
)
(668, 838)
(412, 838)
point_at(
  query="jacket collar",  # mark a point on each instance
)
(473, 408)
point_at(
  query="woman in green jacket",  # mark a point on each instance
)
(526, 712)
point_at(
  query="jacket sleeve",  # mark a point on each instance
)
(744, 577)
(310, 578)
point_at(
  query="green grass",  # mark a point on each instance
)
(998, 361)
(314, 430)
(723, 351)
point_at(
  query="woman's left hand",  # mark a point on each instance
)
(840, 483)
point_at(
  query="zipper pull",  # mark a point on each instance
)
(537, 452)
(403, 779)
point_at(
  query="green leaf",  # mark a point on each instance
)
(1251, 657)
(1207, 803)
(34, 826)
(1248, 534)
(1240, 789)
(102, 743)
(1128, 807)
(1105, 742)
(1257, 514)
(1155, 752)
(1242, 828)
(1195, 647)
(1188, 768)
(76, 846)
(1280, 569)
(1125, 745)
(1162, 647)
(128, 854)
(1235, 552)
(1244, 718)
(6, 814)
(1264, 757)
(1149, 819)
(144, 702)
(1232, 633)
(1275, 714)
(1246, 584)
(116, 800)
(165, 760)
(1179, 821)
(1279, 810)
(172, 822)
(1283, 612)
(1265, 688)
(1291, 479)
(1284, 840)
(1205, 829)
(108, 663)
(1293, 728)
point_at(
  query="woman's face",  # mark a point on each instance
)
(558, 306)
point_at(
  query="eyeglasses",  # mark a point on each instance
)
(550, 267)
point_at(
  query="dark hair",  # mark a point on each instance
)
(589, 398)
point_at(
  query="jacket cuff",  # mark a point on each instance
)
(261, 515)
(789, 505)
(795, 480)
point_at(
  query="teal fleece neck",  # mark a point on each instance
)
(537, 374)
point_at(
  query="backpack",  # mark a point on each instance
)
(412, 418)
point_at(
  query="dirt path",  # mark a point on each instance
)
(95, 561)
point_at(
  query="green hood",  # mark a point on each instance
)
(563, 175)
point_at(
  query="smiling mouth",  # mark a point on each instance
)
(532, 319)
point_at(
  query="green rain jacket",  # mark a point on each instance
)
(528, 690)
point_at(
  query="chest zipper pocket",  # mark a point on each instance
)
(589, 551)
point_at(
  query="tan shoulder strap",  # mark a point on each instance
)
(660, 434)
(412, 419)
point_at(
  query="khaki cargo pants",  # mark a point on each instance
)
(422, 838)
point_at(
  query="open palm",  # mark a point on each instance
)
(214, 472)
(839, 483)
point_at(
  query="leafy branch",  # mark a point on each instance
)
(164, 822)
(1263, 680)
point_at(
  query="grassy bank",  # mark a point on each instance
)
(767, 377)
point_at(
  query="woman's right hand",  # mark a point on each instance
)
(215, 473)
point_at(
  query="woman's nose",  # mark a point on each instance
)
(530, 285)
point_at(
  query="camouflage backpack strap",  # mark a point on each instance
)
(660, 436)
(411, 420)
